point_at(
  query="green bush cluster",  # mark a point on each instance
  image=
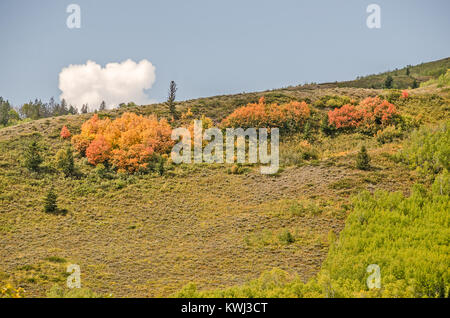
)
(442, 81)
(332, 101)
(392, 95)
(8, 115)
(65, 161)
(406, 236)
(276, 97)
(428, 149)
(286, 237)
(302, 207)
(271, 284)
(389, 134)
(296, 152)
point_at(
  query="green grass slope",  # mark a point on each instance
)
(402, 80)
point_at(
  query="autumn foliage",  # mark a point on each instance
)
(370, 113)
(288, 117)
(65, 133)
(99, 150)
(405, 94)
(127, 143)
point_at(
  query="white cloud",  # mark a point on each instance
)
(115, 83)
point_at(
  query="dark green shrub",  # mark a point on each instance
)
(5, 111)
(363, 159)
(325, 127)
(32, 156)
(50, 202)
(278, 98)
(307, 131)
(389, 82)
(286, 237)
(160, 168)
(100, 170)
(65, 162)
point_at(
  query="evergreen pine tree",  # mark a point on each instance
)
(50, 201)
(363, 159)
(307, 131)
(32, 156)
(325, 127)
(73, 110)
(388, 83)
(161, 166)
(63, 109)
(84, 109)
(171, 99)
(5, 109)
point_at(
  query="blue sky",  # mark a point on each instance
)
(216, 47)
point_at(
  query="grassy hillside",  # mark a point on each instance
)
(406, 237)
(150, 235)
(421, 73)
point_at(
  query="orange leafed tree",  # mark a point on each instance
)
(133, 158)
(98, 150)
(127, 143)
(65, 133)
(288, 117)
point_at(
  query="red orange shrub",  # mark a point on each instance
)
(348, 116)
(289, 117)
(65, 133)
(127, 143)
(369, 114)
(134, 158)
(405, 94)
(98, 150)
